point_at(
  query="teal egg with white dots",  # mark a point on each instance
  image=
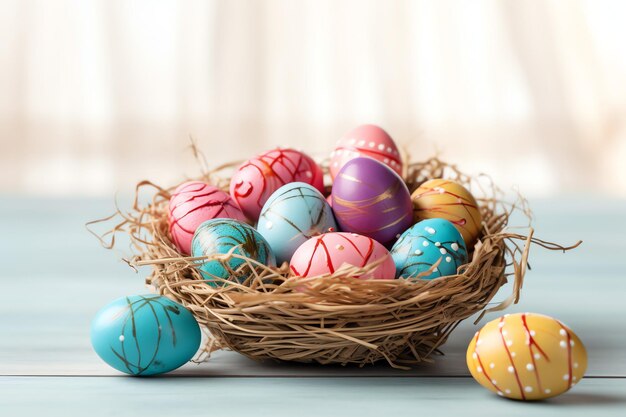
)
(145, 334)
(426, 243)
(292, 215)
(221, 236)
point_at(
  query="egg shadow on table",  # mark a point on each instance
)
(583, 398)
(573, 399)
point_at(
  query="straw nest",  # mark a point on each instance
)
(332, 318)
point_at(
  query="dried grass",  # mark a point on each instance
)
(334, 318)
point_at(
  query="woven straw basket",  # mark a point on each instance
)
(337, 318)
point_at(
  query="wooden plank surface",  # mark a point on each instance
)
(55, 276)
(286, 397)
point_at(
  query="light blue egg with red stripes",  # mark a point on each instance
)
(293, 214)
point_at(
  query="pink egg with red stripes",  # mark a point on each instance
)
(257, 179)
(193, 203)
(366, 140)
(326, 253)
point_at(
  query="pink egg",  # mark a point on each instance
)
(326, 253)
(366, 140)
(255, 181)
(193, 203)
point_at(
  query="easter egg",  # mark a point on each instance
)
(258, 178)
(426, 243)
(145, 334)
(292, 215)
(526, 356)
(451, 201)
(220, 236)
(193, 203)
(370, 199)
(326, 253)
(366, 140)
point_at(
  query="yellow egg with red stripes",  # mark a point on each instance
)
(526, 356)
(448, 200)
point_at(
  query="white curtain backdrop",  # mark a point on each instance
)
(96, 94)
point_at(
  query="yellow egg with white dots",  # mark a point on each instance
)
(526, 356)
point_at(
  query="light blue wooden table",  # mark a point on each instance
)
(54, 277)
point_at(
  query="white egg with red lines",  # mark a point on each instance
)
(326, 253)
(526, 356)
(366, 140)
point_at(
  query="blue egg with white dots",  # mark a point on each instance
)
(145, 334)
(292, 215)
(426, 243)
(221, 236)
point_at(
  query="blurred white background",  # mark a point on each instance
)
(95, 94)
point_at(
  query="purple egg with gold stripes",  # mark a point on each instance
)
(370, 199)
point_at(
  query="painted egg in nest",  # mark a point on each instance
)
(145, 334)
(326, 253)
(292, 215)
(449, 200)
(370, 199)
(193, 203)
(366, 140)
(526, 356)
(429, 242)
(220, 236)
(259, 177)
